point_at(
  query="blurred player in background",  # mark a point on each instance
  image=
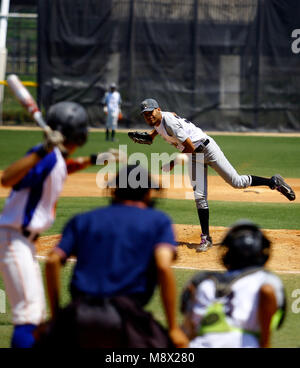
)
(36, 181)
(238, 308)
(123, 252)
(112, 104)
(188, 138)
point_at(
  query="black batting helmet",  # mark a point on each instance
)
(247, 246)
(71, 120)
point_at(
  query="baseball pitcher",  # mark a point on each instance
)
(188, 138)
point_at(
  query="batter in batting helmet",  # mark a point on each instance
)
(247, 246)
(71, 120)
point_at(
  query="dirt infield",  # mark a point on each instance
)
(84, 185)
(285, 255)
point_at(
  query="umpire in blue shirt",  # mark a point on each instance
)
(123, 252)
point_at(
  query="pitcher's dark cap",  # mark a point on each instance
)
(149, 105)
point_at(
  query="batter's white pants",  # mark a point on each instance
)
(214, 157)
(22, 278)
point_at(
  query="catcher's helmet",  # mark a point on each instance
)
(71, 120)
(247, 246)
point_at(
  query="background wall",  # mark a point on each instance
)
(227, 65)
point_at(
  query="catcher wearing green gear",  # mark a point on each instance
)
(141, 138)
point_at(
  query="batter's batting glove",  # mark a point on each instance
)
(141, 138)
(53, 138)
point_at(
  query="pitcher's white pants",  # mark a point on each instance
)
(22, 278)
(215, 158)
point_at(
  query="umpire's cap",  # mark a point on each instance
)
(133, 182)
(149, 105)
(247, 246)
(71, 119)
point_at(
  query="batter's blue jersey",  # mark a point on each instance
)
(115, 247)
(31, 203)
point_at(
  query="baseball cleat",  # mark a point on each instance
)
(206, 242)
(279, 184)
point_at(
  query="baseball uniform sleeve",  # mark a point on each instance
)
(173, 126)
(39, 172)
(165, 233)
(69, 239)
(278, 287)
(204, 297)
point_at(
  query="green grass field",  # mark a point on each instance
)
(268, 215)
(262, 156)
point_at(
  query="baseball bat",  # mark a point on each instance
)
(24, 97)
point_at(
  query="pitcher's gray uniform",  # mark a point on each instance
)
(188, 138)
(175, 130)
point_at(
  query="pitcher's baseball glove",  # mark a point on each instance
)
(141, 138)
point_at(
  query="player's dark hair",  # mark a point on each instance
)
(246, 246)
(133, 183)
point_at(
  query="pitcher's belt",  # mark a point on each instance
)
(201, 146)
